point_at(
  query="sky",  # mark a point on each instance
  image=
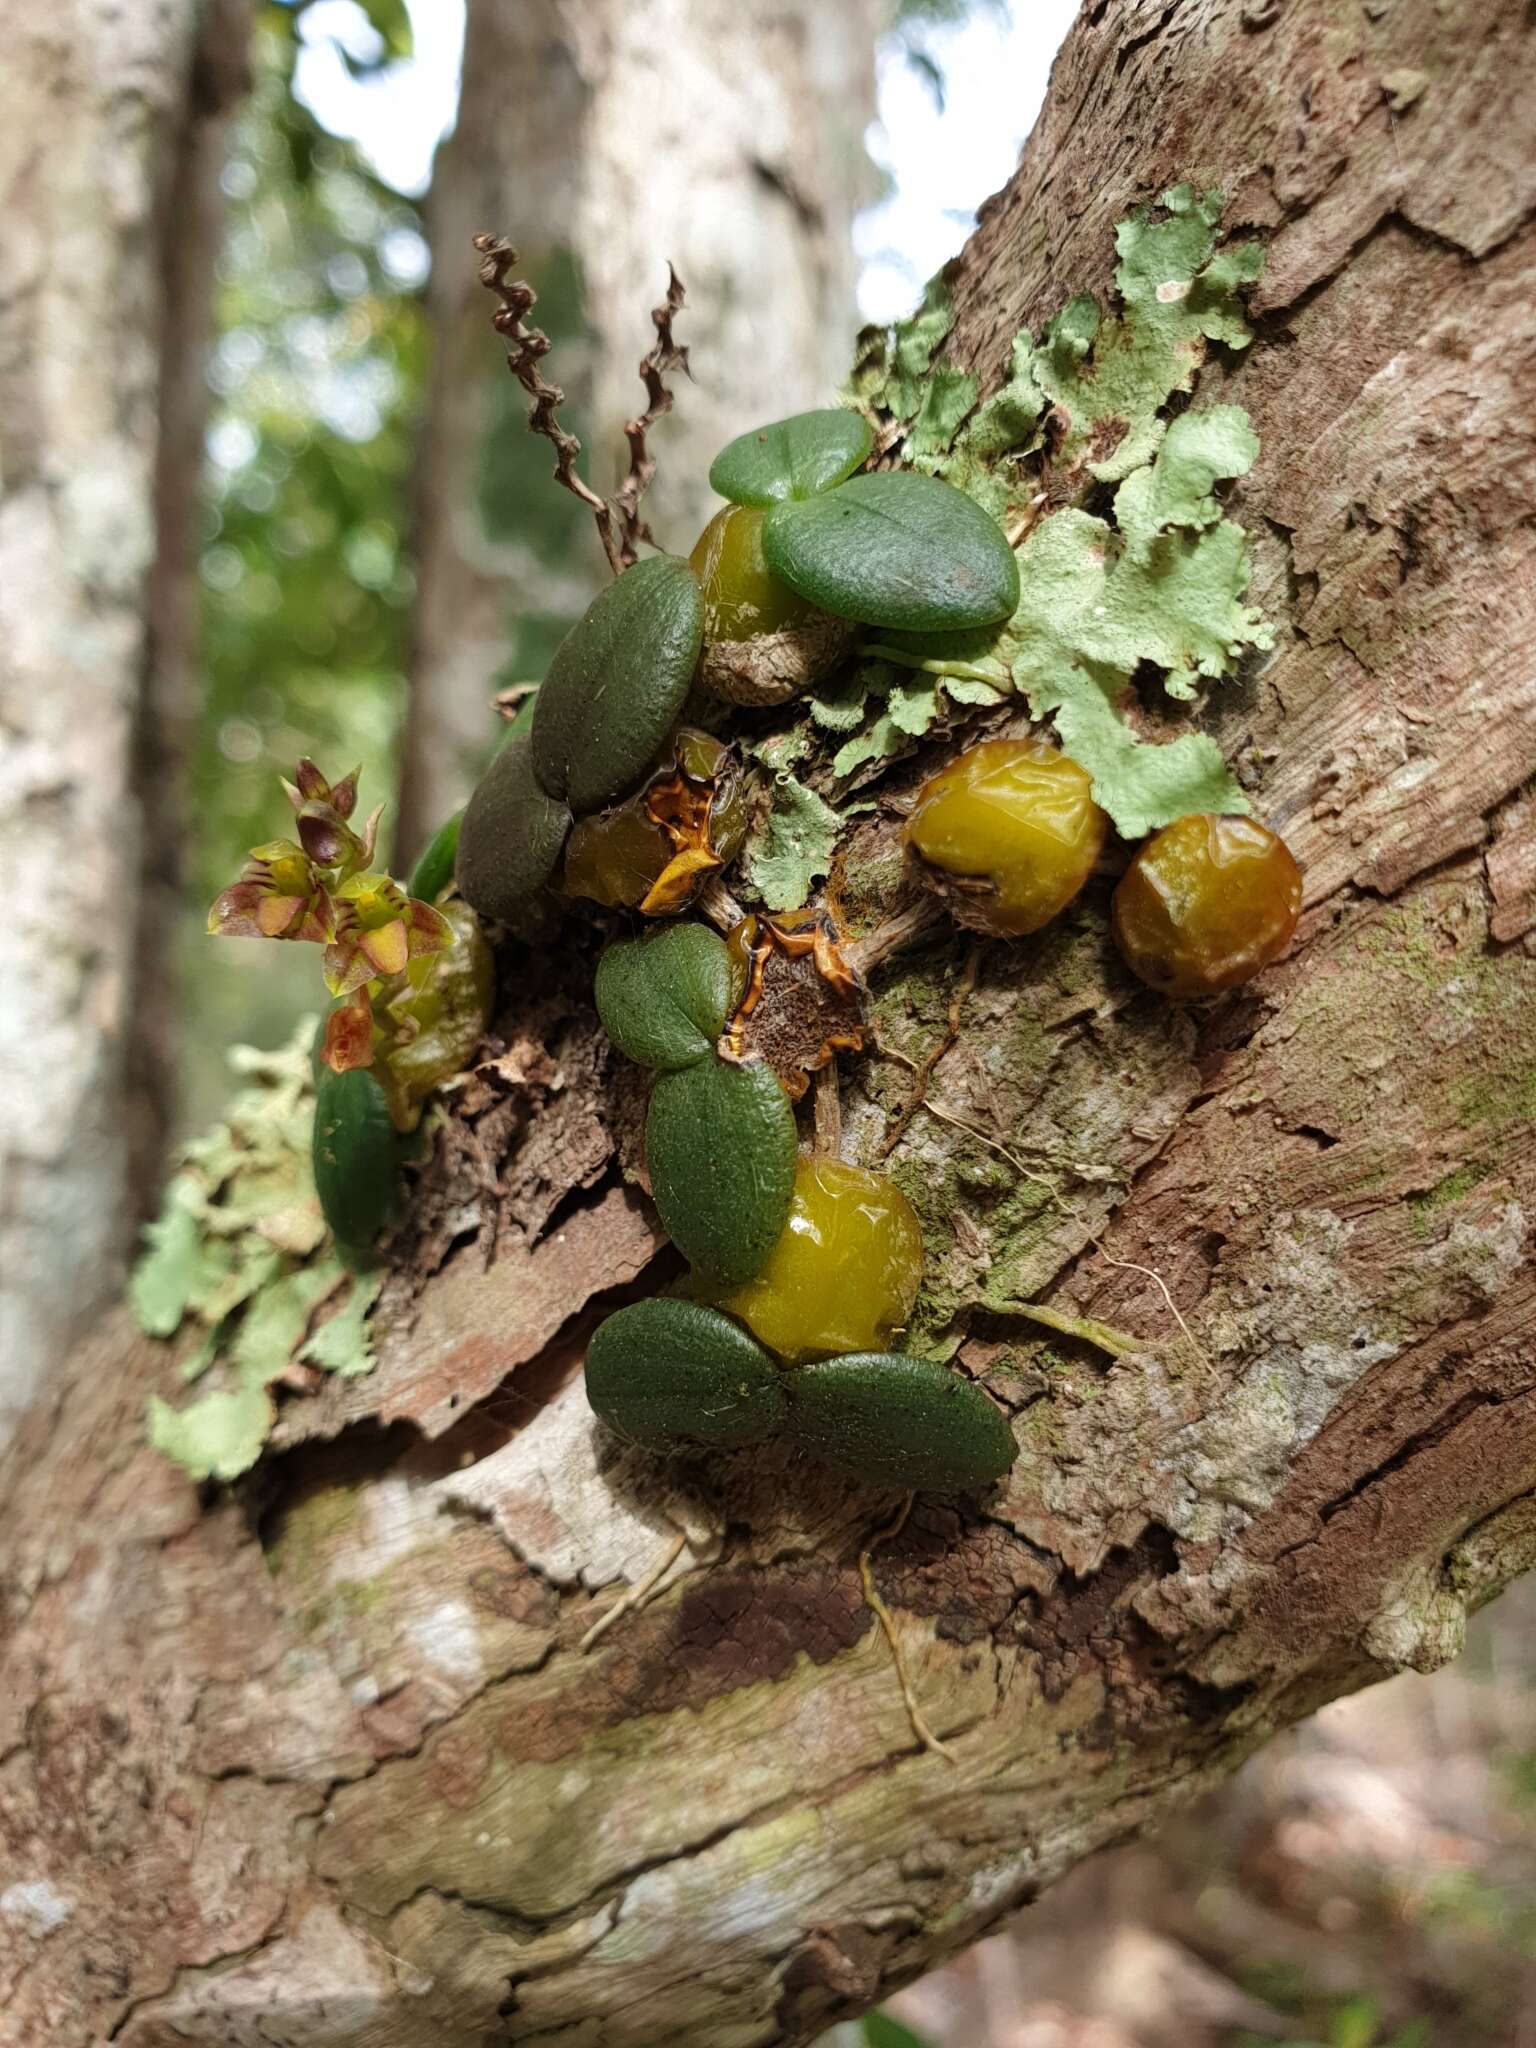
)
(942, 162)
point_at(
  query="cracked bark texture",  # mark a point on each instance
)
(112, 124)
(607, 138)
(322, 1762)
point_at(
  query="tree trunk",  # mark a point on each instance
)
(112, 123)
(191, 232)
(325, 1761)
(607, 138)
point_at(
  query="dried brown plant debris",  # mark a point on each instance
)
(620, 526)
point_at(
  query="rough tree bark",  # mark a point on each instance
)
(323, 1761)
(111, 129)
(606, 138)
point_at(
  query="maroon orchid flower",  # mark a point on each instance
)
(278, 896)
(378, 931)
(322, 888)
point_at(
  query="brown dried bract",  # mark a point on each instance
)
(619, 525)
(801, 1002)
(681, 808)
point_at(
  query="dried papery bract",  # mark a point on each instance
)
(619, 524)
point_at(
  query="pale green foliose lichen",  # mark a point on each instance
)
(1159, 581)
(240, 1254)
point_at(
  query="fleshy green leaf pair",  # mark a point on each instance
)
(892, 548)
(792, 459)
(719, 1138)
(670, 1374)
(663, 998)
(612, 694)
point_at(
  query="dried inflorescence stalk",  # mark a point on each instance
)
(665, 354)
(619, 525)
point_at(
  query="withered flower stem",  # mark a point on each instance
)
(827, 1110)
(716, 903)
(619, 525)
(663, 355)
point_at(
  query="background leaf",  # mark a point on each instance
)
(881, 2031)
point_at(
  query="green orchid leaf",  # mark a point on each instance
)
(881, 2031)
(793, 458)
(663, 999)
(899, 1422)
(895, 549)
(720, 1144)
(356, 1156)
(521, 723)
(665, 1373)
(510, 838)
(434, 866)
(616, 685)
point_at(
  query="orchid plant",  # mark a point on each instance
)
(381, 944)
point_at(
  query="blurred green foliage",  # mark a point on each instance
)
(318, 375)
(1323, 2019)
(881, 2031)
(1354, 2023)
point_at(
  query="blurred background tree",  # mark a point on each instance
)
(113, 133)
